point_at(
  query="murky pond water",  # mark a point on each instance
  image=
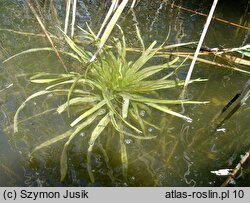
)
(183, 154)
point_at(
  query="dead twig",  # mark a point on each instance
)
(215, 18)
(46, 33)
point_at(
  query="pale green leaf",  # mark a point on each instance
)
(112, 108)
(125, 106)
(142, 99)
(88, 112)
(118, 128)
(33, 50)
(151, 70)
(168, 111)
(135, 114)
(75, 101)
(72, 89)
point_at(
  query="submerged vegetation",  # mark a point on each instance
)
(114, 85)
(110, 89)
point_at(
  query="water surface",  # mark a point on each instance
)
(183, 154)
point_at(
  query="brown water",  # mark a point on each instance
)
(183, 154)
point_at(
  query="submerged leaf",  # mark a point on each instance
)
(72, 89)
(95, 134)
(124, 157)
(38, 50)
(135, 114)
(63, 159)
(77, 129)
(37, 94)
(52, 75)
(53, 140)
(28, 51)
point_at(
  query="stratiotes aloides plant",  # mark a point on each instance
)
(110, 89)
(113, 89)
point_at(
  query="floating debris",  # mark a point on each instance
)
(221, 130)
(223, 172)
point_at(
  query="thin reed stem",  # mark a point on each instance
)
(111, 10)
(133, 4)
(67, 16)
(109, 28)
(73, 19)
(200, 43)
